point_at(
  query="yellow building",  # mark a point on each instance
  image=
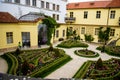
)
(13, 31)
(88, 17)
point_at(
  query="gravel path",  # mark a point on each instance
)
(3, 66)
(69, 69)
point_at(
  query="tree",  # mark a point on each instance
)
(104, 36)
(51, 25)
(99, 64)
(69, 33)
(88, 38)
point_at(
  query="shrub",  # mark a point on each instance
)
(71, 43)
(88, 38)
(111, 50)
(99, 64)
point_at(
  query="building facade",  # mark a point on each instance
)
(14, 31)
(19, 21)
(88, 17)
(53, 8)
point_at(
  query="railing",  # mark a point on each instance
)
(70, 19)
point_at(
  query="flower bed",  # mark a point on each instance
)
(86, 53)
(72, 43)
(109, 70)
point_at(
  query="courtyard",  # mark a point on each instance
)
(69, 69)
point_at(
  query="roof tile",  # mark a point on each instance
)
(5, 17)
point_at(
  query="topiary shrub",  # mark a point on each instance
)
(99, 64)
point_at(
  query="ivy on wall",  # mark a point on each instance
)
(51, 26)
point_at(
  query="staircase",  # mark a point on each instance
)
(113, 42)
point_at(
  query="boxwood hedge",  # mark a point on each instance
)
(12, 63)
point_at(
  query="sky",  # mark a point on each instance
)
(69, 1)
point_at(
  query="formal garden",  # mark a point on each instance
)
(35, 63)
(99, 70)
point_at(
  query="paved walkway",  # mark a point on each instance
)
(69, 69)
(3, 66)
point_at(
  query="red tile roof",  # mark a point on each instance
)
(114, 3)
(5, 17)
(93, 4)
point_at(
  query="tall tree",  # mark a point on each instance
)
(104, 36)
(51, 25)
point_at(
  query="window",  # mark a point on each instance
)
(42, 4)
(63, 33)
(54, 16)
(112, 32)
(53, 6)
(27, 2)
(9, 36)
(96, 31)
(85, 14)
(47, 5)
(26, 38)
(17, 1)
(98, 14)
(112, 14)
(34, 2)
(83, 30)
(8, 0)
(57, 7)
(71, 14)
(57, 17)
(57, 33)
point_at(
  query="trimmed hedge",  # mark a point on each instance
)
(109, 51)
(12, 63)
(82, 70)
(71, 44)
(44, 71)
(87, 56)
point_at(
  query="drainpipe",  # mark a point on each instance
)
(108, 16)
